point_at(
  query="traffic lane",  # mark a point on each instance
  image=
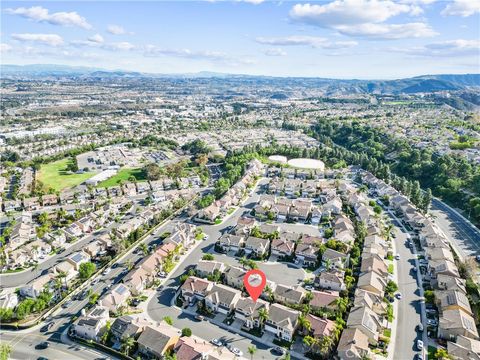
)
(409, 307)
(24, 348)
(458, 221)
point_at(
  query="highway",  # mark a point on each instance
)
(466, 236)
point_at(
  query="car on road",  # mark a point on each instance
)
(398, 296)
(432, 322)
(420, 345)
(309, 287)
(199, 317)
(279, 350)
(235, 350)
(217, 342)
(477, 258)
(205, 237)
(67, 304)
(106, 271)
(43, 345)
(42, 358)
(162, 274)
(47, 326)
(397, 257)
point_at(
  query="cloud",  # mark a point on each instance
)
(314, 41)
(5, 47)
(40, 14)
(275, 52)
(389, 31)
(46, 39)
(254, 2)
(97, 41)
(97, 38)
(215, 56)
(363, 18)
(116, 30)
(448, 48)
(462, 8)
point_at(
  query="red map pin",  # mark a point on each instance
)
(254, 281)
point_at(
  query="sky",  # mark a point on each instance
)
(364, 39)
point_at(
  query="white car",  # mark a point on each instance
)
(398, 296)
(308, 287)
(107, 271)
(397, 257)
(419, 345)
(236, 351)
(217, 342)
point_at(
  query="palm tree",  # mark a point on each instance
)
(310, 342)
(325, 345)
(304, 323)
(63, 275)
(252, 350)
(127, 344)
(144, 248)
(328, 264)
(342, 304)
(262, 316)
(243, 261)
(106, 334)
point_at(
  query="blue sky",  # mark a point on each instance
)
(368, 39)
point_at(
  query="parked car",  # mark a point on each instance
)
(217, 342)
(106, 271)
(199, 317)
(235, 350)
(420, 327)
(398, 296)
(47, 326)
(432, 322)
(279, 350)
(397, 257)
(309, 287)
(162, 274)
(419, 345)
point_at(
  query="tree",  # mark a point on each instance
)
(205, 201)
(86, 270)
(391, 287)
(168, 320)
(5, 351)
(325, 345)
(106, 334)
(127, 344)
(310, 342)
(143, 248)
(262, 315)
(426, 201)
(93, 297)
(252, 350)
(208, 257)
(186, 332)
(304, 323)
(442, 354)
(153, 171)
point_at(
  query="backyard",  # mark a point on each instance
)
(54, 175)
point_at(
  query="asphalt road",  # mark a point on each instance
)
(409, 307)
(464, 235)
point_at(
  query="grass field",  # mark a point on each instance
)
(123, 175)
(53, 175)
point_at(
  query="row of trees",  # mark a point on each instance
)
(452, 177)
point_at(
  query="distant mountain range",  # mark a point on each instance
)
(418, 84)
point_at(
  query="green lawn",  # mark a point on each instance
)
(53, 175)
(123, 175)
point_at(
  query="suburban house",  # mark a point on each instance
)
(229, 242)
(307, 254)
(464, 349)
(455, 323)
(282, 321)
(77, 259)
(373, 282)
(334, 259)
(205, 268)
(282, 247)
(90, 326)
(319, 327)
(36, 286)
(234, 276)
(248, 311)
(116, 298)
(222, 298)
(195, 287)
(156, 341)
(289, 294)
(353, 345)
(256, 246)
(324, 300)
(127, 326)
(367, 321)
(331, 280)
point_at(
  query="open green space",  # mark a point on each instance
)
(124, 175)
(55, 175)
